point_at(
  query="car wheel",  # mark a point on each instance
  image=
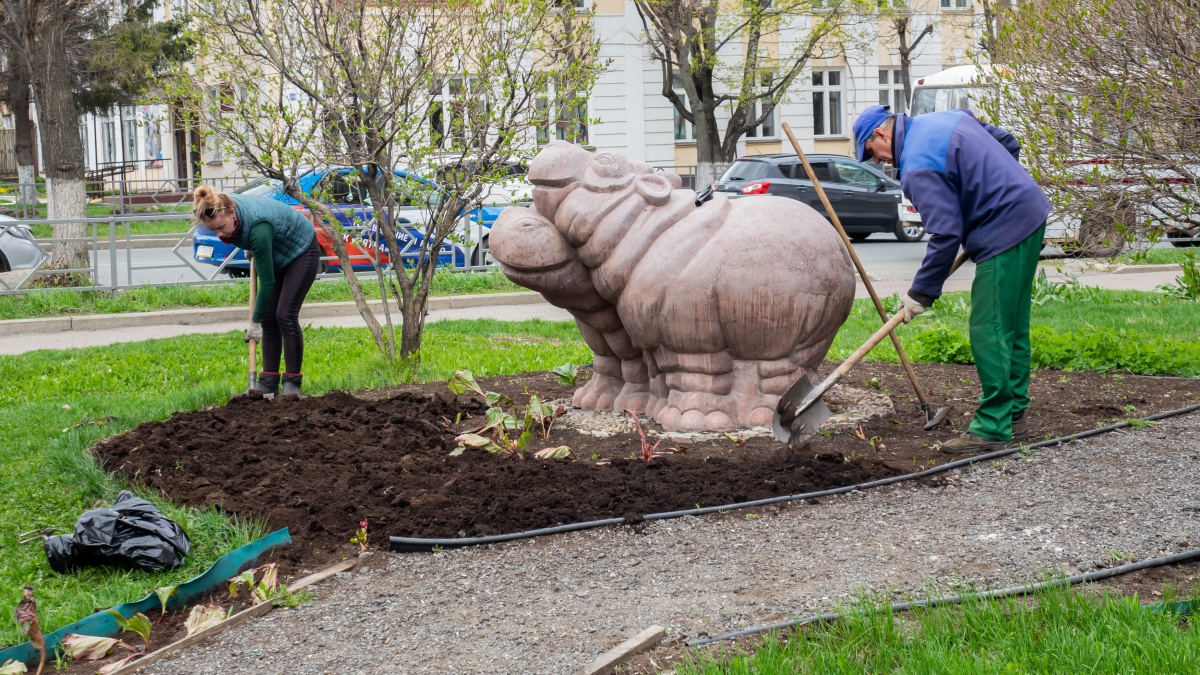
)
(4, 265)
(237, 274)
(479, 253)
(906, 231)
(858, 236)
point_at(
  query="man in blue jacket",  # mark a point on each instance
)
(964, 178)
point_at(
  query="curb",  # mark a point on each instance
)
(1138, 269)
(192, 317)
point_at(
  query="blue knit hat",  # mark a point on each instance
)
(867, 122)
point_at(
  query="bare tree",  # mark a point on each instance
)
(14, 90)
(41, 35)
(897, 22)
(454, 89)
(1108, 111)
(716, 52)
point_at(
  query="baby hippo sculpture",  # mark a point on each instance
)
(699, 316)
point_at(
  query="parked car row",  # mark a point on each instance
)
(865, 199)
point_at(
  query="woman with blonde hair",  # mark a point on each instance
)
(286, 255)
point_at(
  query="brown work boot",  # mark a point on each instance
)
(969, 443)
(1020, 426)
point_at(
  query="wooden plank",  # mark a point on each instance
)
(239, 618)
(627, 649)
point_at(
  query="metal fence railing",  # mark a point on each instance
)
(117, 192)
(122, 254)
(687, 173)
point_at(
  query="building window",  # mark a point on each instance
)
(827, 102)
(108, 141)
(956, 4)
(767, 128)
(451, 118)
(83, 136)
(129, 126)
(891, 89)
(684, 130)
(570, 122)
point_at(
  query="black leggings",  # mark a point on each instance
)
(281, 321)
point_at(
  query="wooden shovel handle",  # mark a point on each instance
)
(871, 342)
(253, 343)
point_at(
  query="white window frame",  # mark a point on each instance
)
(891, 89)
(955, 5)
(682, 127)
(831, 99)
(108, 140)
(129, 127)
(768, 129)
(565, 121)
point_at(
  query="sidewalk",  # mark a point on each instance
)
(64, 332)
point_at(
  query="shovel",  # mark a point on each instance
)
(801, 411)
(253, 343)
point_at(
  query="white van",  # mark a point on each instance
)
(950, 89)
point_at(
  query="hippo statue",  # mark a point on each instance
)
(699, 316)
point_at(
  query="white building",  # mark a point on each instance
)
(149, 145)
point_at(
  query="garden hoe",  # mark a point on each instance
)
(801, 411)
(932, 419)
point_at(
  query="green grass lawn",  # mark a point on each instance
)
(179, 228)
(54, 405)
(95, 210)
(59, 302)
(1157, 256)
(1060, 631)
(1090, 329)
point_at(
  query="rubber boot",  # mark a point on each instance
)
(291, 384)
(268, 384)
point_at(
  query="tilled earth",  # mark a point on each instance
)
(321, 465)
(551, 605)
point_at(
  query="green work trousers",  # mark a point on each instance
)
(1000, 302)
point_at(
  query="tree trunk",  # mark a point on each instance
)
(27, 166)
(62, 148)
(708, 146)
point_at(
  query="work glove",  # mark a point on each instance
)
(254, 332)
(910, 308)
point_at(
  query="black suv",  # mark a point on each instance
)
(865, 199)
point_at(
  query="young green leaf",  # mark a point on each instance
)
(523, 440)
(90, 648)
(463, 382)
(164, 594)
(472, 441)
(567, 373)
(453, 453)
(138, 623)
(12, 667)
(496, 398)
(246, 577)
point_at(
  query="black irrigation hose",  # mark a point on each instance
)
(956, 599)
(415, 545)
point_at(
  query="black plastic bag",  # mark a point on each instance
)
(133, 534)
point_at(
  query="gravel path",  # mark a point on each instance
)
(553, 605)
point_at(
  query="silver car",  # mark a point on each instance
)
(18, 247)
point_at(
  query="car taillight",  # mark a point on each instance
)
(756, 188)
(921, 81)
(911, 209)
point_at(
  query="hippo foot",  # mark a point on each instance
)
(634, 397)
(673, 419)
(600, 393)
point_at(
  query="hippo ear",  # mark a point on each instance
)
(655, 188)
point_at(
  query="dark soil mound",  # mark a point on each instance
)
(322, 464)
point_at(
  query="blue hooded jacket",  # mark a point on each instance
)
(964, 179)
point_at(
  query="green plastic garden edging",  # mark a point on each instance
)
(103, 624)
